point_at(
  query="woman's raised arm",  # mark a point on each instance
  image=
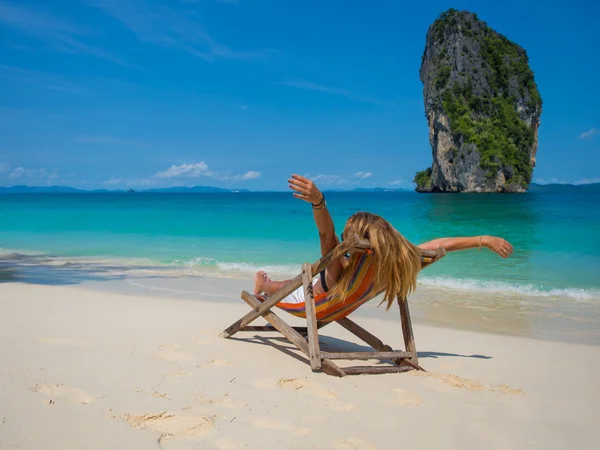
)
(306, 190)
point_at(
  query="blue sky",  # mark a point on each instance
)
(141, 93)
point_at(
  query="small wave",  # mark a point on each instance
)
(506, 288)
(199, 261)
(205, 264)
(253, 268)
(213, 267)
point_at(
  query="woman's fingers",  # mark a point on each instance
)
(303, 182)
(505, 251)
(501, 247)
(301, 179)
(301, 197)
(299, 189)
(298, 184)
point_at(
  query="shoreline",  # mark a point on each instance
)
(19, 259)
(561, 319)
(91, 368)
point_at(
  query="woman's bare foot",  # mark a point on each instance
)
(260, 281)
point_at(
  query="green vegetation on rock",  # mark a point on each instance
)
(423, 179)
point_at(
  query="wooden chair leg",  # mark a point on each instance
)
(364, 335)
(407, 331)
(314, 351)
(329, 367)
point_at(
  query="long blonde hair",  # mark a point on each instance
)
(397, 261)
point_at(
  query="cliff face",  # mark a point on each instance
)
(482, 106)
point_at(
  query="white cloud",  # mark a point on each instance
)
(201, 169)
(137, 183)
(185, 170)
(550, 181)
(18, 173)
(250, 175)
(363, 175)
(34, 176)
(113, 181)
(396, 182)
(329, 179)
(557, 181)
(588, 181)
(588, 134)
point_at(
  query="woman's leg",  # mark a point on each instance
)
(263, 284)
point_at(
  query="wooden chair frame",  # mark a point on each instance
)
(309, 345)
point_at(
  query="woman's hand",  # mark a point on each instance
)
(497, 245)
(306, 190)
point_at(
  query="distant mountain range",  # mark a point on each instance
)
(376, 189)
(169, 190)
(71, 190)
(533, 188)
(563, 188)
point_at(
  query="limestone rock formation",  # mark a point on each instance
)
(483, 108)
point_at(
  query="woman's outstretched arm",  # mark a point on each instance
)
(452, 244)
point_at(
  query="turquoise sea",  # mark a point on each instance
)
(556, 236)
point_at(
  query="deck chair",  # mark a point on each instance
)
(324, 310)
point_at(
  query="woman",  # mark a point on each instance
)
(397, 260)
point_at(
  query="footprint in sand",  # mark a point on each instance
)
(175, 357)
(63, 393)
(227, 403)
(170, 353)
(471, 385)
(170, 425)
(217, 363)
(341, 407)
(403, 397)
(296, 384)
(178, 374)
(152, 393)
(62, 341)
(292, 383)
(354, 444)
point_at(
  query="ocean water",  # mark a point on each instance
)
(556, 237)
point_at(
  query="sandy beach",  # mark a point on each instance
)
(100, 370)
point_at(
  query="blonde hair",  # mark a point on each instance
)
(397, 261)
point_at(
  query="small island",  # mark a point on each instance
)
(483, 108)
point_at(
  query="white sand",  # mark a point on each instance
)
(91, 370)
